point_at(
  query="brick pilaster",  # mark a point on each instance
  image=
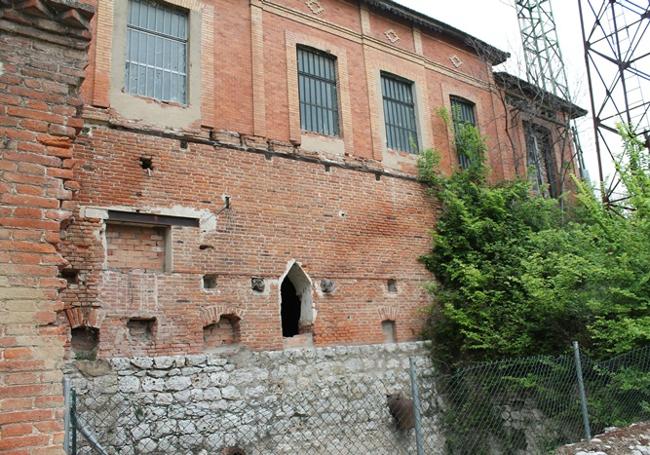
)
(43, 46)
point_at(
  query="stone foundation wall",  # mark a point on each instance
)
(326, 400)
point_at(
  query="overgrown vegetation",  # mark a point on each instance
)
(516, 276)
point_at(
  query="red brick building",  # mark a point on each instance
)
(228, 171)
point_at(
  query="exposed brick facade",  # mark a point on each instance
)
(260, 194)
(42, 60)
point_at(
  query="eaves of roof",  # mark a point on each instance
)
(516, 85)
(492, 54)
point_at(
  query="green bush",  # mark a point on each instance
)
(518, 275)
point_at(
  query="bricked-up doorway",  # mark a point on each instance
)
(296, 304)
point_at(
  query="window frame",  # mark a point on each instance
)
(455, 100)
(546, 178)
(183, 89)
(412, 112)
(320, 129)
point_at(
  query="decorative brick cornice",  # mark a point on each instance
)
(70, 13)
(62, 22)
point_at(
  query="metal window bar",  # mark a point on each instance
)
(540, 138)
(399, 114)
(534, 160)
(317, 87)
(462, 113)
(156, 54)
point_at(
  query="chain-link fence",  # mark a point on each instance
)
(519, 406)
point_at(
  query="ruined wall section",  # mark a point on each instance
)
(42, 58)
(354, 227)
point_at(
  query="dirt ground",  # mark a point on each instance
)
(632, 440)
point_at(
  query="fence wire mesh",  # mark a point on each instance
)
(519, 406)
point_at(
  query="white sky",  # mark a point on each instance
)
(495, 22)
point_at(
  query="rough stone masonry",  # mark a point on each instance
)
(321, 401)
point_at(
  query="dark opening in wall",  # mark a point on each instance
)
(146, 163)
(233, 451)
(296, 305)
(392, 285)
(290, 309)
(141, 329)
(84, 342)
(209, 281)
(70, 275)
(224, 332)
(388, 329)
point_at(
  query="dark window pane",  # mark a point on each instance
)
(462, 114)
(317, 91)
(399, 114)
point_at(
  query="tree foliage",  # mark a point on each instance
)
(516, 275)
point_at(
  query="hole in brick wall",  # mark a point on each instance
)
(70, 275)
(388, 329)
(209, 281)
(378, 177)
(392, 285)
(224, 332)
(327, 168)
(131, 247)
(141, 329)
(84, 342)
(183, 144)
(146, 163)
(206, 247)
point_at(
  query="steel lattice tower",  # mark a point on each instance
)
(617, 55)
(542, 54)
(543, 57)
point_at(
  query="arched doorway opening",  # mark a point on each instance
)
(296, 304)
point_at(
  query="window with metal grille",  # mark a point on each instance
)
(541, 161)
(319, 110)
(156, 53)
(462, 114)
(399, 113)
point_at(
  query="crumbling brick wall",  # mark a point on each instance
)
(42, 59)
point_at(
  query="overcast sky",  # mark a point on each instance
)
(495, 22)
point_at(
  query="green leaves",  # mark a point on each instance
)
(517, 276)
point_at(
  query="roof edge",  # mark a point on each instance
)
(509, 81)
(494, 55)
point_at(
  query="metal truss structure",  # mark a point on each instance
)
(543, 58)
(542, 54)
(617, 55)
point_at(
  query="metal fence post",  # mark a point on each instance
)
(66, 415)
(73, 422)
(416, 407)
(581, 390)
